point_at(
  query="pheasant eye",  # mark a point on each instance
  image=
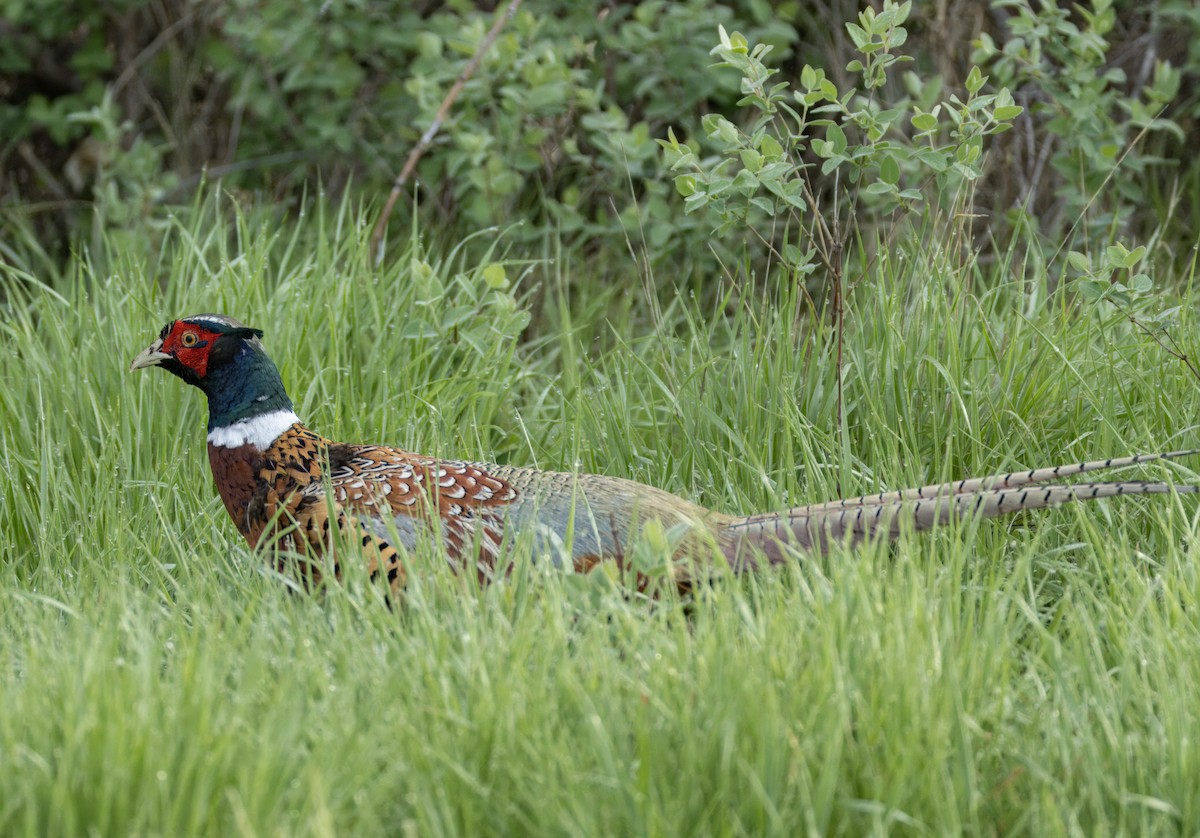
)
(189, 339)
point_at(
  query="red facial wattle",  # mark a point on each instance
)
(190, 344)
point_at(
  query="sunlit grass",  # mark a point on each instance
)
(1037, 677)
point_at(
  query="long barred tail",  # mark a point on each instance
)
(817, 526)
(1012, 480)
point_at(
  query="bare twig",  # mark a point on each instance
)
(1168, 345)
(411, 163)
(152, 49)
(26, 152)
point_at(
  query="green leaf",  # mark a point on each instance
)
(495, 277)
(793, 193)
(1079, 262)
(1092, 289)
(889, 170)
(720, 129)
(765, 204)
(886, 117)
(685, 185)
(924, 122)
(975, 80)
(857, 34)
(837, 137)
(695, 201)
(745, 182)
(770, 148)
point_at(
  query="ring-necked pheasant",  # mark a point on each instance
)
(288, 486)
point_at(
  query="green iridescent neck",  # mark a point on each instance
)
(247, 386)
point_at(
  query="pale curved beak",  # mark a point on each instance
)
(151, 356)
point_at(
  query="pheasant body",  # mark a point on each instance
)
(283, 484)
(394, 498)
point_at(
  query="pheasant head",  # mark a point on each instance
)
(225, 358)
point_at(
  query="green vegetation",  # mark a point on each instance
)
(110, 111)
(975, 262)
(1031, 677)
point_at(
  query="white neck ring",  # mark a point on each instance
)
(259, 431)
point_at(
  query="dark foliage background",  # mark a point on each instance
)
(113, 110)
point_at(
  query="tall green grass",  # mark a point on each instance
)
(1036, 677)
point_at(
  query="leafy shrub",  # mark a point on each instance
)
(126, 106)
(1087, 116)
(556, 127)
(883, 158)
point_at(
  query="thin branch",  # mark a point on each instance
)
(411, 163)
(26, 153)
(1173, 349)
(149, 52)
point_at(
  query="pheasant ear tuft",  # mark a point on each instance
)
(231, 344)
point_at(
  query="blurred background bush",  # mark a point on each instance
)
(114, 111)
